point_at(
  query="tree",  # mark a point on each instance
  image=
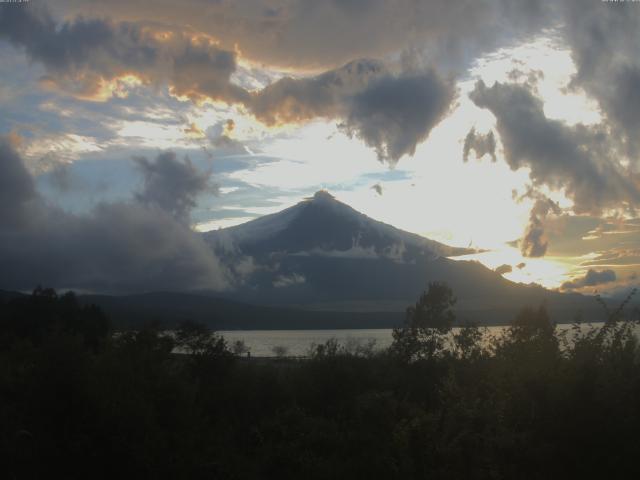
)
(533, 324)
(240, 348)
(427, 324)
(37, 316)
(280, 351)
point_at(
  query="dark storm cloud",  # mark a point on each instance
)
(17, 190)
(578, 159)
(604, 38)
(390, 112)
(502, 269)
(172, 185)
(291, 100)
(60, 177)
(164, 44)
(394, 114)
(325, 34)
(534, 242)
(480, 144)
(81, 55)
(591, 279)
(118, 247)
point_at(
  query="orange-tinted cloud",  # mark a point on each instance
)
(194, 131)
(98, 58)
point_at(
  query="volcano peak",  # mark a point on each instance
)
(322, 196)
(321, 223)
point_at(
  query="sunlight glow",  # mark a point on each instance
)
(547, 65)
(549, 271)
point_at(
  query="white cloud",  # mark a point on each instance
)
(288, 280)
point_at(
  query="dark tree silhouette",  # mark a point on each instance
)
(427, 324)
(76, 402)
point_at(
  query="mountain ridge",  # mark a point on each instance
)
(168, 309)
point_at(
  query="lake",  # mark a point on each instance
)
(261, 343)
(297, 343)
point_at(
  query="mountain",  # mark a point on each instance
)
(322, 254)
(321, 225)
(321, 264)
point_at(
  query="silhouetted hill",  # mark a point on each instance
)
(170, 308)
(6, 295)
(221, 314)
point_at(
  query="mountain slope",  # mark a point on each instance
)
(321, 254)
(321, 225)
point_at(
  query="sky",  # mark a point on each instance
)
(509, 126)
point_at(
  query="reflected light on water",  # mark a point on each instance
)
(298, 343)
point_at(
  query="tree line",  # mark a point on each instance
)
(79, 400)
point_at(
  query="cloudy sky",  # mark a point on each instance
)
(510, 126)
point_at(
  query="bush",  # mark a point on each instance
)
(528, 404)
(427, 325)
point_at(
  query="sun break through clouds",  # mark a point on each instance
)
(376, 79)
(581, 161)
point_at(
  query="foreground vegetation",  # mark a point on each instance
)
(78, 401)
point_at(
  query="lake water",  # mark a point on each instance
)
(297, 343)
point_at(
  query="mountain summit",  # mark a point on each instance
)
(323, 226)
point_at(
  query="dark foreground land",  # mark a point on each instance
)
(78, 401)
